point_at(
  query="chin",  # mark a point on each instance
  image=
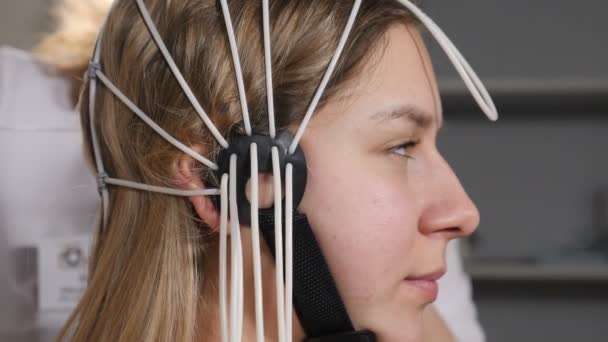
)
(413, 334)
(403, 327)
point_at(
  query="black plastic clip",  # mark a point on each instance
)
(241, 144)
(94, 67)
(101, 182)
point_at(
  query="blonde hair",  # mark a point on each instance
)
(149, 271)
(67, 49)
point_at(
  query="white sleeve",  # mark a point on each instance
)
(17, 312)
(39, 130)
(455, 300)
(3, 95)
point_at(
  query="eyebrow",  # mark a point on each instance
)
(418, 116)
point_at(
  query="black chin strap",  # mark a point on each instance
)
(315, 297)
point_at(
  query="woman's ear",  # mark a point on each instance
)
(187, 179)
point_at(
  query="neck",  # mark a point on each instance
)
(209, 322)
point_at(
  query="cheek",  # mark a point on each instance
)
(365, 224)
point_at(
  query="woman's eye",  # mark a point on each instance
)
(403, 149)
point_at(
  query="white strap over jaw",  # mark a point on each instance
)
(231, 328)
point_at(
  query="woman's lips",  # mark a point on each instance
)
(429, 288)
(427, 283)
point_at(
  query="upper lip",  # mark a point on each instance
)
(432, 276)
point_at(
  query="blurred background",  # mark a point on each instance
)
(539, 261)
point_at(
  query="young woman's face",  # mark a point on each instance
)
(381, 200)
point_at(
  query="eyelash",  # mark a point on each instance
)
(406, 145)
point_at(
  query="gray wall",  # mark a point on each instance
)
(532, 179)
(23, 21)
(532, 174)
(547, 39)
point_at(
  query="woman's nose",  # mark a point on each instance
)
(448, 211)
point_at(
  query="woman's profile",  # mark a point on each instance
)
(379, 197)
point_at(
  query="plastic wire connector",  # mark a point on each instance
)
(101, 181)
(92, 70)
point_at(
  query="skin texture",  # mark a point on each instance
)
(381, 211)
(435, 329)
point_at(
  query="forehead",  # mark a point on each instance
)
(400, 77)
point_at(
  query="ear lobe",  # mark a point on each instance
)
(186, 179)
(265, 190)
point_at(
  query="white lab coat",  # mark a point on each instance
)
(46, 189)
(455, 300)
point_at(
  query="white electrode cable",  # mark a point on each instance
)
(223, 257)
(101, 172)
(95, 74)
(268, 68)
(237, 241)
(288, 250)
(278, 243)
(237, 65)
(160, 189)
(328, 72)
(255, 244)
(146, 119)
(284, 318)
(466, 72)
(178, 75)
(236, 260)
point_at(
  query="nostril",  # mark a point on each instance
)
(454, 232)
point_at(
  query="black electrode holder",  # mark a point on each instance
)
(240, 145)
